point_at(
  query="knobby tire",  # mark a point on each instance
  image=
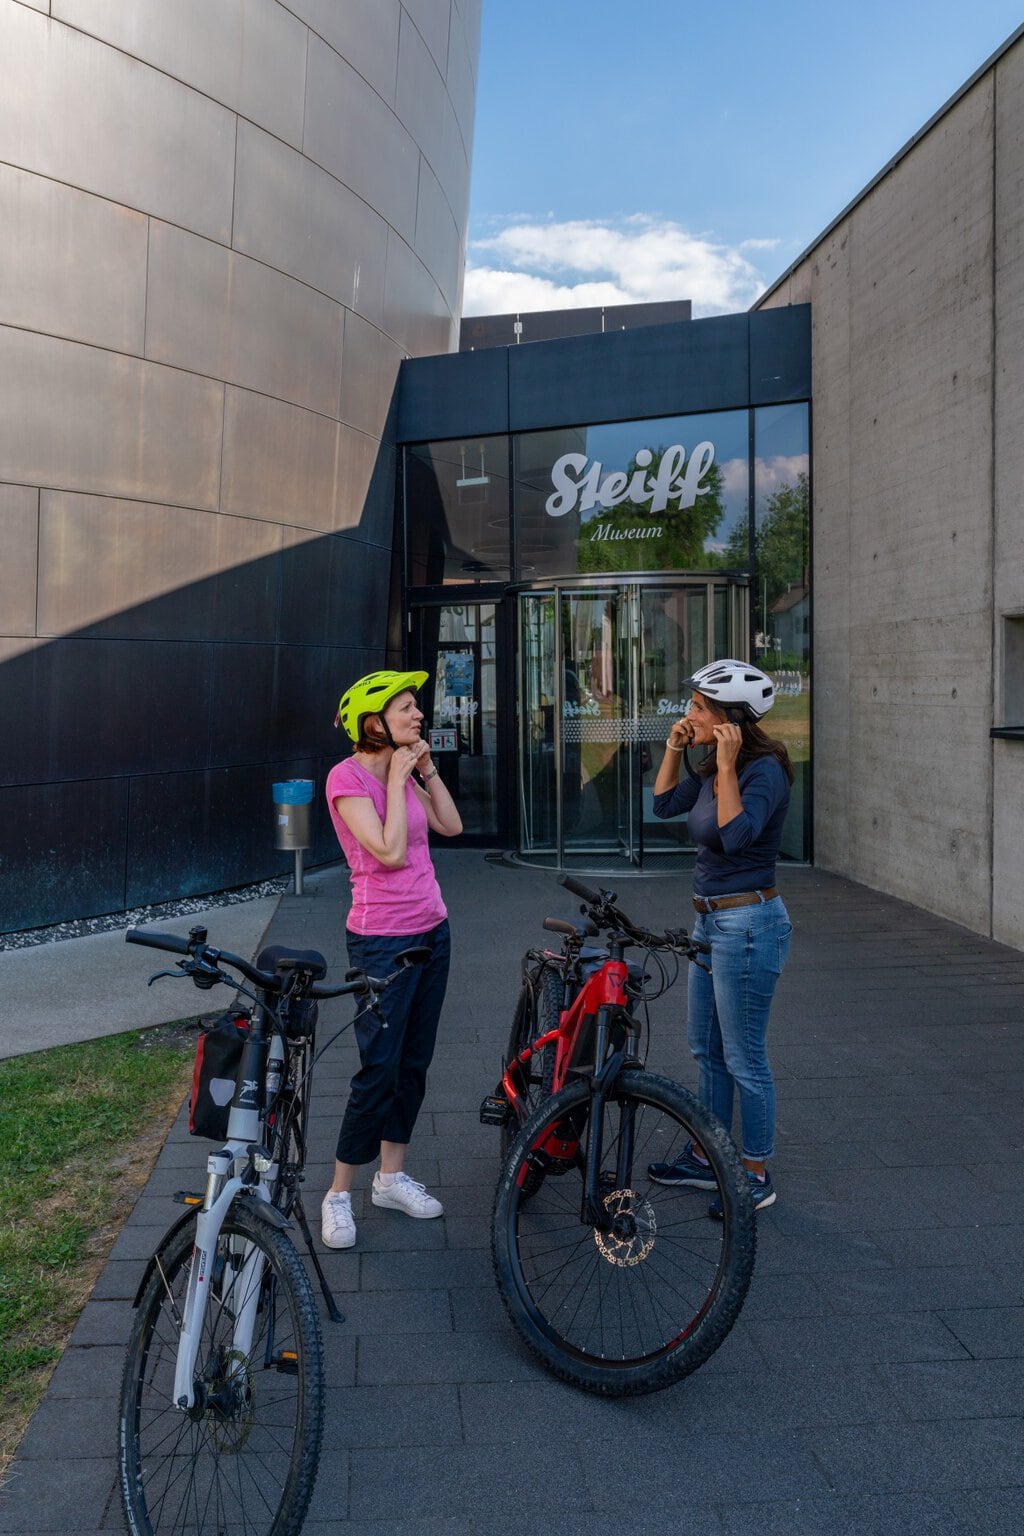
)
(244, 1460)
(537, 1012)
(638, 1308)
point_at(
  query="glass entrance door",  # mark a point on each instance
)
(601, 670)
(457, 645)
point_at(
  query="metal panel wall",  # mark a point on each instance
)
(225, 227)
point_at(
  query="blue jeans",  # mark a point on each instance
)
(728, 1015)
(388, 1089)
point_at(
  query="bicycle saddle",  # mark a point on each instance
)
(277, 958)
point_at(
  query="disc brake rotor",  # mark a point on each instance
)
(631, 1236)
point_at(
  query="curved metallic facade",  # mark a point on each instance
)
(224, 226)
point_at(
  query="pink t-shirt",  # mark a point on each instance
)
(386, 901)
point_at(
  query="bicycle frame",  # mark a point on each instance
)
(601, 998)
(242, 1149)
(601, 1004)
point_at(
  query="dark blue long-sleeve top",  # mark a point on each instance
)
(741, 855)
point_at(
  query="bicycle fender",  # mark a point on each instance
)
(269, 1213)
(260, 1206)
(172, 1232)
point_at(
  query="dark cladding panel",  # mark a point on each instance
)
(334, 589)
(780, 355)
(62, 850)
(105, 708)
(312, 680)
(194, 832)
(665, 370)
(465, 393)
(245, 704)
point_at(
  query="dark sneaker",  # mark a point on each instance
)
(687, 1171)
(763, 1193)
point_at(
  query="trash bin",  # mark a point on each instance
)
(292, 800)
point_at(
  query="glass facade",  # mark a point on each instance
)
(633, 496)
(782, 592)
(458, 525)
(615, 559)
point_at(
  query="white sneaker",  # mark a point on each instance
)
(404, 1194)
(337, 1227)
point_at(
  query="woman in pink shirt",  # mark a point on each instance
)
(382, 801)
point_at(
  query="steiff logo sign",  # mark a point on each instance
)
(580, 484)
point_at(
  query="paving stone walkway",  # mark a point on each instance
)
(875, 1380)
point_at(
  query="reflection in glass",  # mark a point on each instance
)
(783, 595)
(602, 676)
(457, 511)
(456, 646)
(668, 494)
(538, 781)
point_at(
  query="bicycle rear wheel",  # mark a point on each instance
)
(287, 1137)
(537, 1012)
(638, 1307)
(244, 1458)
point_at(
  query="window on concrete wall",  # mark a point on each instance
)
(1012, 681)
(782, 593)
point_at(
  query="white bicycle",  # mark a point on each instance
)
(222, 1396)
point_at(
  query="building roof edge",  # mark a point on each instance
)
(891, 164)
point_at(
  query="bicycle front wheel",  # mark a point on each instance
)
(243, 1459)
(641, 1299)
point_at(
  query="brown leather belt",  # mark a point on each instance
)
(742, 899)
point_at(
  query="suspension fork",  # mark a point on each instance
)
(593, 1211)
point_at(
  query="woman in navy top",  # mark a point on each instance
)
(737, 802)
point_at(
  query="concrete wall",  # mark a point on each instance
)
(917, 300)
(224, 226)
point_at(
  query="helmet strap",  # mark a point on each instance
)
(389, 740)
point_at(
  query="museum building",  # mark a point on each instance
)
(242, 462)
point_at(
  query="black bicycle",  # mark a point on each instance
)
(222, 1394)
(617, 1282)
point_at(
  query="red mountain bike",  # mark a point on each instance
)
(619, 1284)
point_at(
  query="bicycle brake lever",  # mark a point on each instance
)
(175, 975)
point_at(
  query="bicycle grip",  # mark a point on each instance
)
(168, 941)
(578, 889)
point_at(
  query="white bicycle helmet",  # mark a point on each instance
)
(736, 683)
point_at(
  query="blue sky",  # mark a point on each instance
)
(671, 149)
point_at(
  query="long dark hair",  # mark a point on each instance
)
(756, 743)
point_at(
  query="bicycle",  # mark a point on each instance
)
(222, 1393)
(617, 1283)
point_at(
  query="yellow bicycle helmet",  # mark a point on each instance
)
(371, 694)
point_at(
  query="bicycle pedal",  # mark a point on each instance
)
(494, 1110)
(287, 1362)
(186, 1197)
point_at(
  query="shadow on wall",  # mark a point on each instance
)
(140, 751)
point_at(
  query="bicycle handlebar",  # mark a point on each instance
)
(605, 912)
(209, 961)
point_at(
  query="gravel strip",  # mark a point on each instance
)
(117, 920)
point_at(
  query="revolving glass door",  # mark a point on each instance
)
(601, 674)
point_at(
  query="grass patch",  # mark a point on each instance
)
(790, 722)
(82, 1127)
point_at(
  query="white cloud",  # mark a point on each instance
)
(533, 265)
(781, 469)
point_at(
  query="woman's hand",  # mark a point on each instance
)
(403, 761)
(423, 762)
(728, 740)
(681, 734)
